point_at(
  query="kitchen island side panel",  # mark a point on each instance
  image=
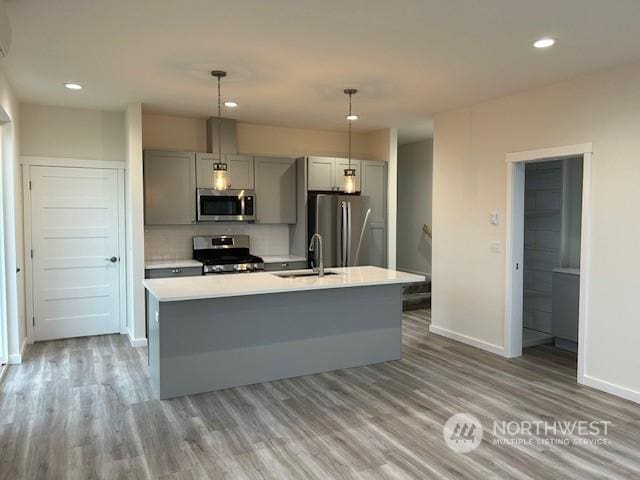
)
(212, 344)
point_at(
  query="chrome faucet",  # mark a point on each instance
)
(317, 239)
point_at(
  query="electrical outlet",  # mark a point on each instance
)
(495, 246)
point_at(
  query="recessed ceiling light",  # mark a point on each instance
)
(352, 117)
(73, 86)
(545, 42)
(230, 104)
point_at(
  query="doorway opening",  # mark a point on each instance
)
(548, 249)
(551, 266)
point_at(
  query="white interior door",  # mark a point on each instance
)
(74, 230)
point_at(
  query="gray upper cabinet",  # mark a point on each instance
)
(327, 173)
(374, 185)
(321, 173)
(275, 190)
(169, 188)
(204, 169)
(239, 170)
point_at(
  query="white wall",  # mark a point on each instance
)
(135, 225)
(415, 177)
(170, 132)
(470, 178)
(71, 132)
(13, 232)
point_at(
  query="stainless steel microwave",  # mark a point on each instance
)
(226, 205)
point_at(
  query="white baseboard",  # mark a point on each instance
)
(474, 342)
(611, 388)
(137, 342)
(16, 358)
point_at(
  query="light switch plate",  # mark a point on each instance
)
(494, 218)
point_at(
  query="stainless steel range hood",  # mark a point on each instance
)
(229, 136)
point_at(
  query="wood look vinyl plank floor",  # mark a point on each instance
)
(83, 408)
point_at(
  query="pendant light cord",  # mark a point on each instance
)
(219, 124)
(350, 130)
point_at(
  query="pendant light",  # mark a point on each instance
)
(350, 173)
(220, 181)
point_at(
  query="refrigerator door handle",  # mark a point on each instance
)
(348, 235)
(343, 225)
(362, 233)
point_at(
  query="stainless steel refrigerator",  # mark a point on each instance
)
(342, 221)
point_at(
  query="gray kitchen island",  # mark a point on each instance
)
(219, 331)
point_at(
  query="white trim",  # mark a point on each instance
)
(71, 162)
(122, 252)
(16, 358)
(474, 342)
(28, 264)
(545, 154)
(514, 258)
(392, 199)
(513, 319)
(585, 265)
(27, 241)
(137, 342)
(611, 388)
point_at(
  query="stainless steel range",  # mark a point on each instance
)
(226, 254)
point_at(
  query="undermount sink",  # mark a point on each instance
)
(301, 274)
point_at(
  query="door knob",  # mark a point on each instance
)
(112, 259)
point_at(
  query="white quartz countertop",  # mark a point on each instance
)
(282, 258)
(221, 286)
(157, 264)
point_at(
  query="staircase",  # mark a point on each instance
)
(416, 296)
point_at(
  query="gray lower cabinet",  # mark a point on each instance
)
(239, 170)
(275, 180)
(565, 306)
(279, 266)
(169, 188)
(173, 272)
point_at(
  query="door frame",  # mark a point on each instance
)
(31, 161)
(515, 242)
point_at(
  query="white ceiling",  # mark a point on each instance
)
(289, 60)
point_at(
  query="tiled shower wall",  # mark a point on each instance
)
(175, 241)
(542, 240)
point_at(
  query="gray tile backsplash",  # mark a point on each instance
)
(174, 241)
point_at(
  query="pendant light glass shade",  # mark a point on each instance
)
(220, 180)
(349, 180)
(349, 185)
(220, 176)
